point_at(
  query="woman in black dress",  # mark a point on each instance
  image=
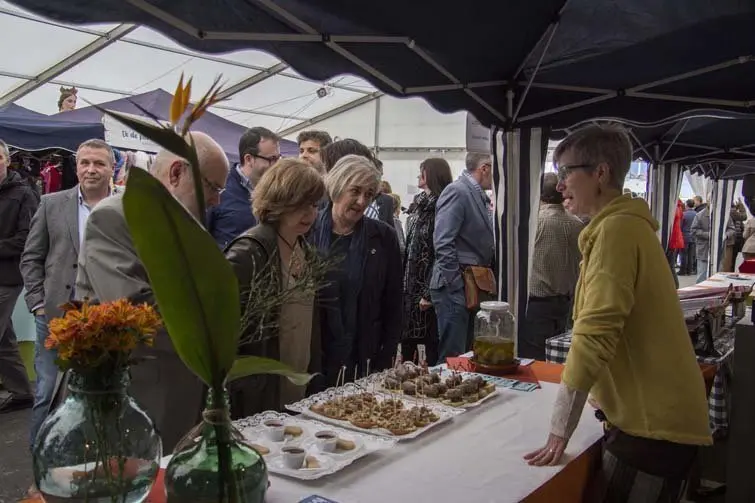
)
(420, 325)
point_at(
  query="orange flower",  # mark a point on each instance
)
(89, 335)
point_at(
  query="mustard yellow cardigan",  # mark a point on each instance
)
(630, 347)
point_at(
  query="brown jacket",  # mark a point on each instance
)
(249, 253)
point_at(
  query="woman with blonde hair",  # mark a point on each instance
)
(361, 302)
(273, 255)
(630, 347)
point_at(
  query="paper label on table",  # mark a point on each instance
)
(316, 499)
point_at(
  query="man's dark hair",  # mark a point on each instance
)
(321, 137)
(549, 193)
(437, 174)
(250, 141)
(690, 203)
(341, 148)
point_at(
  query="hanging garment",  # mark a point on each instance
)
(52, 177)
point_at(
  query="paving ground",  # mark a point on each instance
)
(15, 463)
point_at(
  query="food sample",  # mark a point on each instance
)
(261, 449)
(454, 390)
(311, 463)
(294, 431)
(367, 411)
(345, 445)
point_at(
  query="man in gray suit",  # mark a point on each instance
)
(463, 237)
(50, 258)
(109, 269)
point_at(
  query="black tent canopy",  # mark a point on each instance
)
(545, 63)
(521, 66)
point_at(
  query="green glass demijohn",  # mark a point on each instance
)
(193, 473)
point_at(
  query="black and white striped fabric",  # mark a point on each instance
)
(720, 209)
(518, 163)
(664, 181)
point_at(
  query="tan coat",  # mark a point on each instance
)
(109, 269)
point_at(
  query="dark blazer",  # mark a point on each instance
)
(233, 215)
(385, 205)
(253, 251)
(379, 311)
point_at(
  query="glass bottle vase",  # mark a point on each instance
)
(193, 474)
(99, 446)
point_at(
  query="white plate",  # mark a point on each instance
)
(444, 412)
(275, 465)
(252, 429)
(376, 381)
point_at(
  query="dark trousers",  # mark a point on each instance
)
(12, 370)
(453, 321)
(672, 255)
(689, 260)
(546, 317)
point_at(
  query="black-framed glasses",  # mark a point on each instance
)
(272, 159)
(565, 171)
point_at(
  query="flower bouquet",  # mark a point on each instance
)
(99, 445)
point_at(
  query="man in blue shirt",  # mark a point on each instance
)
(259, 148)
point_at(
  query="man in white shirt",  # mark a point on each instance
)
(49, 261)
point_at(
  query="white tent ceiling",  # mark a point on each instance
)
(107, 62)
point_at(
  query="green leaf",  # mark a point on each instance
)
(195, 286)
(255, 365)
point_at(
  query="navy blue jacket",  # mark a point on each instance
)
(233, 216)
(687, 219)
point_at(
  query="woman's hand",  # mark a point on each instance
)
(548, 455)
(425, 304)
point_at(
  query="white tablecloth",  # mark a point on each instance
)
(477, 457)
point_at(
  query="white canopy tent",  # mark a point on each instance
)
(108, 62)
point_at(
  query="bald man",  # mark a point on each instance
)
(109, 269)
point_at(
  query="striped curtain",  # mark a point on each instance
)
(720, 208)
(518, 159)
(664, 184)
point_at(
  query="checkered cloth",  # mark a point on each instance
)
(556, 349)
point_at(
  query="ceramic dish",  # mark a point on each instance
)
(301, 433)
(377, 381)
(429, 414)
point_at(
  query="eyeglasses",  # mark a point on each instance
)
(214, 187)
(272, 159)
(565, 171)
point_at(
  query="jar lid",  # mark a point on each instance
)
(495, 305)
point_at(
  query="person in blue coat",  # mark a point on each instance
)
(259, 148)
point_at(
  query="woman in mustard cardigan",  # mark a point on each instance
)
(630, 348)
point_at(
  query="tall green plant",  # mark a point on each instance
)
(194, 285)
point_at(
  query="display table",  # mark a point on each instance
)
(476, 457)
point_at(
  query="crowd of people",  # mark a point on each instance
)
(597, 260)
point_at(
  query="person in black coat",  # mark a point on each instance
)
(361, 303)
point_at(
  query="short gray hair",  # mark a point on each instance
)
(98, 144)
(476, 159)
(351, 170)
(4, 148)
(593, 145)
